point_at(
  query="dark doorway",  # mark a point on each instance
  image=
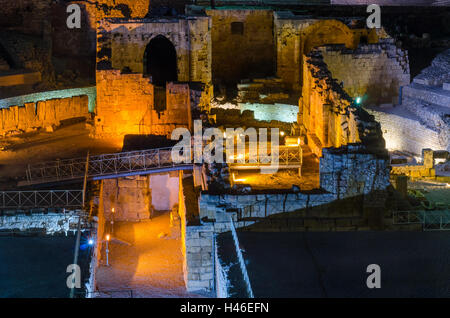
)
(6, 57)
(160, 61)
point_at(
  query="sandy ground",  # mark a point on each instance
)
(143, 261)
(65, 142)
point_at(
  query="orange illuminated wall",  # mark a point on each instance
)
(325, 111)
(125, 105)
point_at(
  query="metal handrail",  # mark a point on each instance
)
(106, 164)
(41, 199)
(430, 220)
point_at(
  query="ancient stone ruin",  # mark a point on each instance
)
(333, 97)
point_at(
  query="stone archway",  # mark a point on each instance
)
(328, 32)
(160, 61)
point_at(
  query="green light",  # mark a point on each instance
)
(358, 100)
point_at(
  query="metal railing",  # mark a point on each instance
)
(41, 199)
(102, 165)
(290, 157)
(438, 220)
(137, 162)
(241, 260)
(220, 275)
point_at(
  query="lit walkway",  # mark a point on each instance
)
(150, 266)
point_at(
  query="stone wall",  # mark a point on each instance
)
(28, 16)
(373, 72)
(350, 171)
(242, 43)
(267, 112)
(15, 119)
(45, 223)
(423, 118)
(76, 43)
(125, 105)
(328, 116)
(197, 245)
(199, 270)
(91, 92)
(122, 44)
(246, 209)
(296, 36)
(403, 130)
(129, 196)
(28, 52)
(426, 169)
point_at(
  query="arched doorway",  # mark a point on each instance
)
(160, 61)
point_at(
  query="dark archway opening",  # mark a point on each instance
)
(160, 61)
(7, 58)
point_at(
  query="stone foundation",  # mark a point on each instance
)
(424, 170)
(199, 266)
(43, 223)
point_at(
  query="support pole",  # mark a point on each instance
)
(77, 243)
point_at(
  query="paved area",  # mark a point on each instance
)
(146, 258)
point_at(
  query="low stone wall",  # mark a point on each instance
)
(344, 173)
(417, 171)
(351, 170)
(91, 92)
(268, 112)
(29, 78)
(403, 130)
(45, 223)
(33, 115)
(247, 209)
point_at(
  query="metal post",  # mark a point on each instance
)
(107, 253)
(112, 220)
(77, 243)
